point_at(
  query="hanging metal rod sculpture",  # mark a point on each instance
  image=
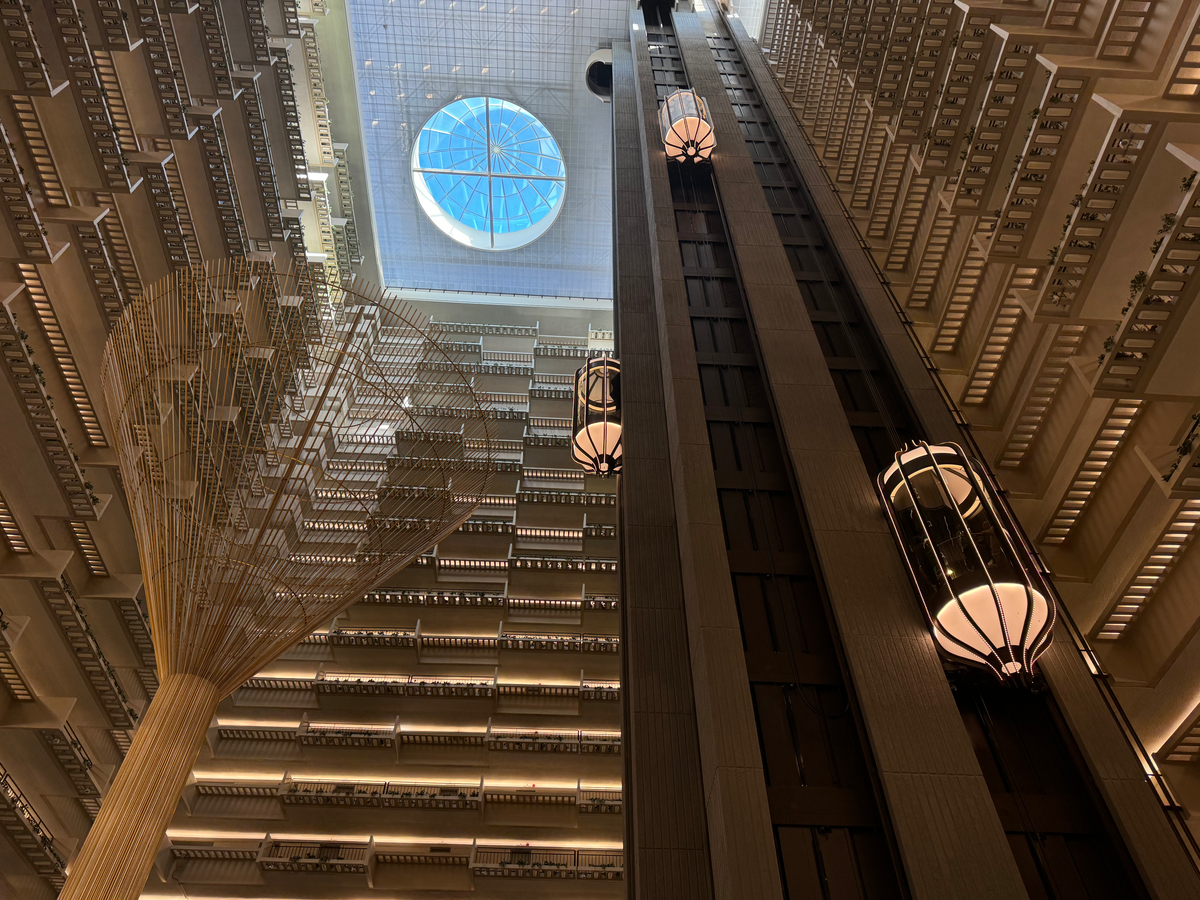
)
(285, 445)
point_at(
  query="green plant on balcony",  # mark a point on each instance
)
(1185, 446)
(1168, 222)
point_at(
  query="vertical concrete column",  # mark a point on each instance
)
(666, 847)
(950, 837)
(741, 840)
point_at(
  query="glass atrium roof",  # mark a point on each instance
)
(413, 58)
(488, 173)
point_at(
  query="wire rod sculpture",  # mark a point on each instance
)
(285, 446)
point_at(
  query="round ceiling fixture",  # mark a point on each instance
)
(488, 173)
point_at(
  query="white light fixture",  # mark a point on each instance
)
(596, 418)
(687, 130)
(982, 594)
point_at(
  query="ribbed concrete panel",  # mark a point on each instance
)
(949, 835)
(1160, 858)
(922, 393)
(666, 844)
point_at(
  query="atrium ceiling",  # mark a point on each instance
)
(412, 58)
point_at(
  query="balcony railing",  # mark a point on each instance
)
(29, 833)
(39, 408)
(465, 686)
(73, 758)
(562, 864)
(493, 738)
(313, 734)
(562, 498)
(600, 690)
(405, 685)
(542, 740)
(437, 598)
(297, 856)
(79, 636)
(390, 794)
(359, 857)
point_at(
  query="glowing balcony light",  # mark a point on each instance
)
(979, 588)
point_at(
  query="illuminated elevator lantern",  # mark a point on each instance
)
(978, 584)
(596, 418)
(687, 129)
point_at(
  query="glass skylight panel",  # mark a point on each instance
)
(520, 203)
(488, 173)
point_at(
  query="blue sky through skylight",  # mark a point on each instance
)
(491, 166)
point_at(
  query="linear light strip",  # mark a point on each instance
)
(1153, 572)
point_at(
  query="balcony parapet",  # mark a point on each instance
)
(33, 72)
(30, 124)
(216, 47)
(29, 236)
(64, 359)
(28, 380)
(542, 740)
(64, 745)
(325, 734)
(1157, 311)
(297, 856)
(471, 796)
(170, 208)
(573, 865)
(100, 674)
(483, 329)
(388, 794)
(456, 686)
(165, 68)
(98, 98)
(282, 70)
(394, 735)
(214, 150)
(29, 833)
(320, 104)
(365, 858)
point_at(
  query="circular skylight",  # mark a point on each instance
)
(488, 173)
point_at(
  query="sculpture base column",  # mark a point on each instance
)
(120, 848)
